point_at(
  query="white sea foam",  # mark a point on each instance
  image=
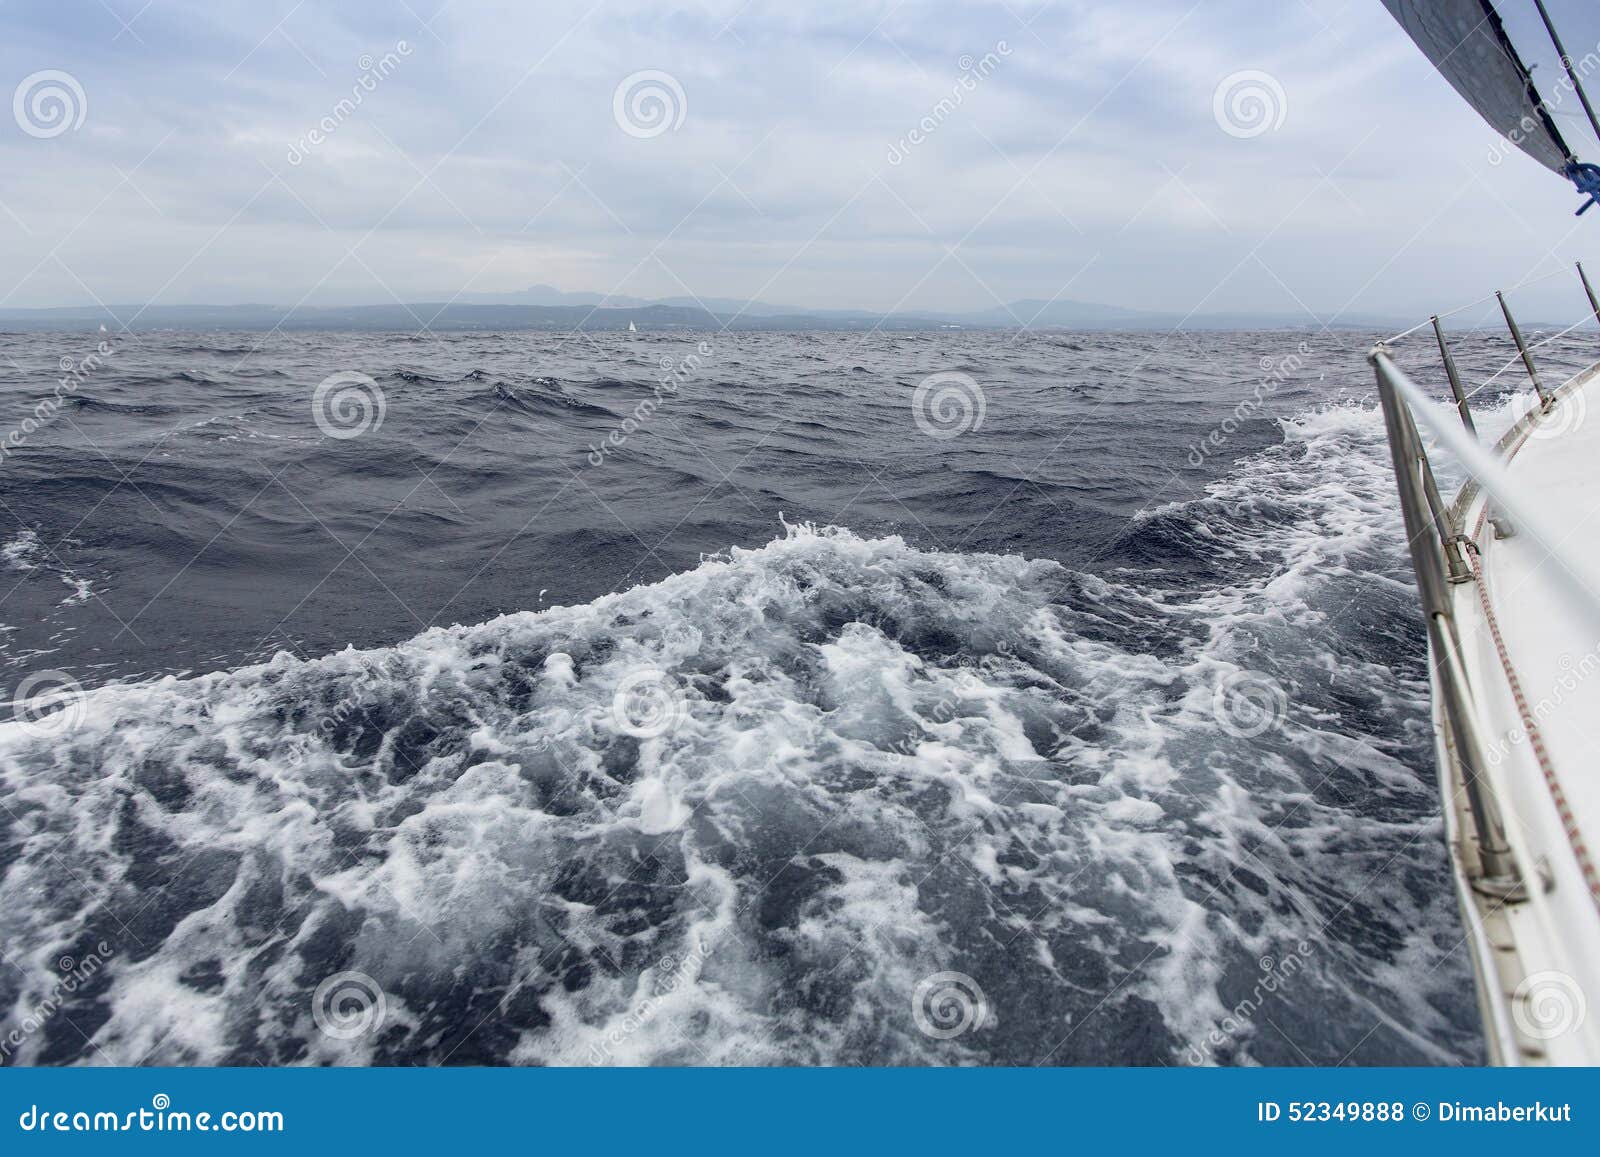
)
(882, 763)
(26, 552)
(21, 551)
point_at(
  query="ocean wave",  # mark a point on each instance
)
(89, 402)
(1088, 778)
(851, 765)
(534, 400)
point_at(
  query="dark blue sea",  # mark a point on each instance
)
(680, 698)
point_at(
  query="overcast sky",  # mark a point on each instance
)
(1086, 155)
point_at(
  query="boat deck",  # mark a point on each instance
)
(1533, 665)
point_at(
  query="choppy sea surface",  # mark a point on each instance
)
(717, 699)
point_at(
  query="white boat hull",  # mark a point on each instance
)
(1532, 665)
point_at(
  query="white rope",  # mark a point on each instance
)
(1517, 358)
(1474, 304)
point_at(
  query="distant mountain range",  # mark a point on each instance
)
(545, 308)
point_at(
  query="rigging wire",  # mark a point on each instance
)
(1517, 358)
(1474, 304)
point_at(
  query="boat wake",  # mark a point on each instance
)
(833, 800)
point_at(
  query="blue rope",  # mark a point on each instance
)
(1587, 178)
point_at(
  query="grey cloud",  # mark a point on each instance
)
(489, 158)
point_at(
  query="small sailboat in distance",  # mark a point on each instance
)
(1509, 575)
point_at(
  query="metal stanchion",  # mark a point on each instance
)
(1593, 304)
(1522, 348)
(1455, 378)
